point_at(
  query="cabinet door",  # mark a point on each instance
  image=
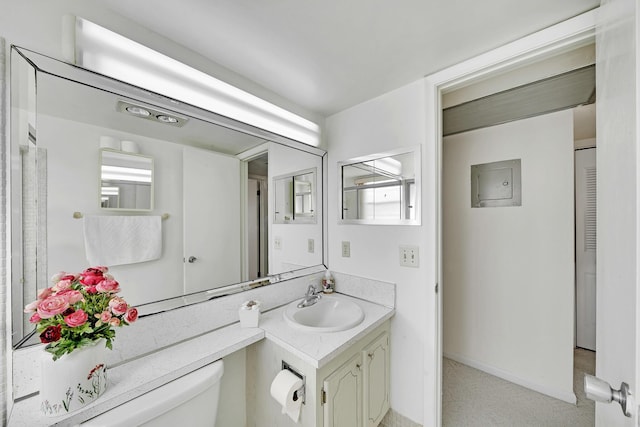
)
(343, 390)
(376, 380)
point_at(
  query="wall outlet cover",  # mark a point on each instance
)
(346, 249)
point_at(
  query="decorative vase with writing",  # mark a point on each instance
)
(77, 318)
(74, 380)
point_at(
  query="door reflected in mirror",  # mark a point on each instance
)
(381, 189)
(126, 181)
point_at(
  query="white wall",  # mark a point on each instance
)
(391, 121)
(508, 290)
(73, 182)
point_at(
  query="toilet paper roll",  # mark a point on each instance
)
(282, 388)
(109, 142)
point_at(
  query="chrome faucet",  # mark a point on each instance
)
(311, 297)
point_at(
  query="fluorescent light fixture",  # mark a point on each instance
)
(101, 50)
(119, 173)
(110, 191)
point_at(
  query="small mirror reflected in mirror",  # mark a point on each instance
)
(126, 181)
(295, 197)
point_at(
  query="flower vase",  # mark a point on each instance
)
(74, 380)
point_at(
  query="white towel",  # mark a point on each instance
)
(116, 240)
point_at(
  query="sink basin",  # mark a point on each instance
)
(329, 314)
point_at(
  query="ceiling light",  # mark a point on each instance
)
(138, 111)
(166, 119)
(152, 114)
(111, 54)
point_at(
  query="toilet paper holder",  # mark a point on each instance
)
(300, 393)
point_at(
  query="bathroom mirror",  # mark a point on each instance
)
(60, 113)
(382, 188)
(126, 181)
(295, 198)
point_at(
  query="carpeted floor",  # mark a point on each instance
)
(475, 398)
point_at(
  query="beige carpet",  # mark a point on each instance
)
(475, 398)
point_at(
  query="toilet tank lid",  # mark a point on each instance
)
(161, 399)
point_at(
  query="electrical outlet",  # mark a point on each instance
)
(277, 243)
(409, 256)
(346, 249)
(310, 245)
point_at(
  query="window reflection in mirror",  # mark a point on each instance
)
(126, 181)
(381, 189)
(295, 197)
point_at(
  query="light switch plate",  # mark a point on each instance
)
(277, 243)
(310, 245)
(409, 256)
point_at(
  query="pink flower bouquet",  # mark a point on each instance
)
(78, 310)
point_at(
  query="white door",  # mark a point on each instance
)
(618, 222)
(585, 170)
(211, 216)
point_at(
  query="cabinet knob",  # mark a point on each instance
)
(371, 355)
(358, 366)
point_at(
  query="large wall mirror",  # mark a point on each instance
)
(381, 188)
(194, 174)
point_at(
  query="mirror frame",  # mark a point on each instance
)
(417, 159)
(43, 64)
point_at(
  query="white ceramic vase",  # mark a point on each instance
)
(74, 380)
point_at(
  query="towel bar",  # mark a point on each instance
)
(78, 215)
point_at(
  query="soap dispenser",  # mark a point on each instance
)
(328, 284)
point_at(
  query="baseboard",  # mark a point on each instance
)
(565, 396)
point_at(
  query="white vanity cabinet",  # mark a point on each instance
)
(376, 380)
(346, 375)
(356, 394)
(342, 395)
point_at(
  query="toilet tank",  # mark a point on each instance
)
(189, 400)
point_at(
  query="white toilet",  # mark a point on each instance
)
(189, 400)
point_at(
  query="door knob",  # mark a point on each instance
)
(192, 259)
(600, 391)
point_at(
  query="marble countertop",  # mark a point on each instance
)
(134, 378)
(318, 349)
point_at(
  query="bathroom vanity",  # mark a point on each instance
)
(346, 374)
(210, 331)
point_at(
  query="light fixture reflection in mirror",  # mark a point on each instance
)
(73, 110)
(126, 181)
(381, 189)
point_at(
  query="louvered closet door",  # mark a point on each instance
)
(585, 168)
